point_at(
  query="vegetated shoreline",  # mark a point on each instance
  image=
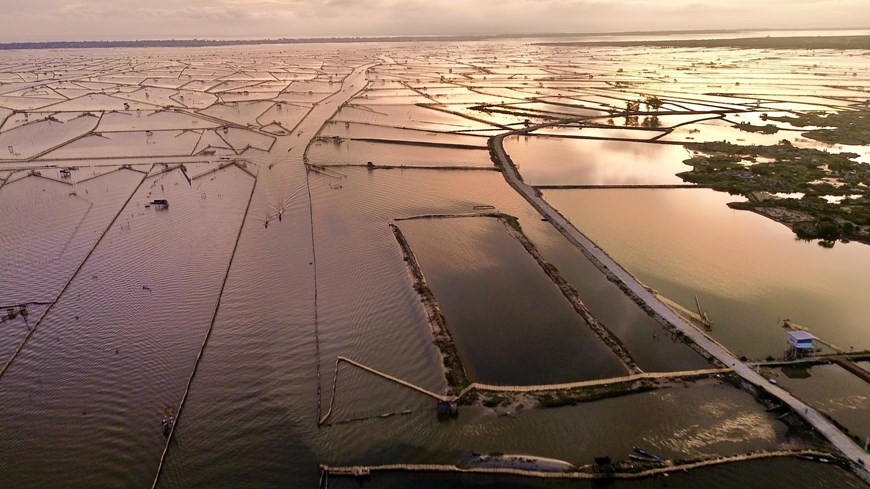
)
(353, 39)
(812, 172)
(794, 42)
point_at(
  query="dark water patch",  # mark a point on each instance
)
(475, 269)
(836, 392)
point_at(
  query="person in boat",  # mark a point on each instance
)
(167, 421)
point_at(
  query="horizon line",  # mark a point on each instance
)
(204, 42)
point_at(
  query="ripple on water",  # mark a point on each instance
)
(576, 434)
(35, 263)
(113, 353)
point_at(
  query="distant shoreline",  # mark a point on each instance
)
(796, 42)
(183, 43)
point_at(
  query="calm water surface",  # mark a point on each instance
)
(311, 279)
(835, 392)
(510, 322)
(565, 161)
(748, 271)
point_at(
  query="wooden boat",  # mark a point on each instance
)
(168, 420)
(646, 454)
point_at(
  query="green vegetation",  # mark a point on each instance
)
(852, 127)
(510, 220)
(766, 129)
(797, 42)
(653, 103)
(572, 397)
(496, 400)
(760, 172)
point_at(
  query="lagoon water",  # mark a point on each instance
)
(510, 323)
(564, 161)
(284, 267)
(748, 272)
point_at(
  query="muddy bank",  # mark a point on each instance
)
(454, 371)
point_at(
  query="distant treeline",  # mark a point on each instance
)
(193, 43)
(816, 42)
(801, 42)
(188, 43)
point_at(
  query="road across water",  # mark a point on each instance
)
(642, 294)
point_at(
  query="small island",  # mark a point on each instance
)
(819, 195)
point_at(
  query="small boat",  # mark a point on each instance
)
(168, 420)
(646, 454)
(518, 462)
(772, 381)
(644, 458)
(815, 458)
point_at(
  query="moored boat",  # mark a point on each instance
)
(520, 462)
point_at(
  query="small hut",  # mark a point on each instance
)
(800, 344)
(800, 340)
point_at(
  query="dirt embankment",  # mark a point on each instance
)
(513, 228)
(454, 371)
(611, 340)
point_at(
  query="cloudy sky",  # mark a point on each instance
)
(42, 20)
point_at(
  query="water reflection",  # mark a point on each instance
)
(511, 324)
(835, 392)
(563, 161)
(749, 272)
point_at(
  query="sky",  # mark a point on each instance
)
(76, 20)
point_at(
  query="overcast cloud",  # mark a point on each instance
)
(47, 20)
